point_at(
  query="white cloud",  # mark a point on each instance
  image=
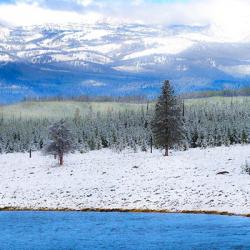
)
(32, 14)
(93, 83)
(229, 19)
(84, 2)
(238, 70)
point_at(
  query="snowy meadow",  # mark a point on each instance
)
(113, 167)
(104, 179)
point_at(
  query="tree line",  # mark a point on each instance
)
(170, 124)
(245, 91)
(88, 98)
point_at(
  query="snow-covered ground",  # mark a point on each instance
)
(105, 179)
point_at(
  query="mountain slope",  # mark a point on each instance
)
(108, 59)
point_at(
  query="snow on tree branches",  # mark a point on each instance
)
(209, 122)
(61, 140)
(167, 124)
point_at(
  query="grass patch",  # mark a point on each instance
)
(63, 109)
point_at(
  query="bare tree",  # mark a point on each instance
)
(61, 141)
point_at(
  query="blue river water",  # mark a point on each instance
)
(92, 230)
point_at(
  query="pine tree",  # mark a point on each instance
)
(61, 141)
(167, 124)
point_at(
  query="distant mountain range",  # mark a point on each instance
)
(112, 59)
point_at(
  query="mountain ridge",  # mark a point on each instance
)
(112, 59)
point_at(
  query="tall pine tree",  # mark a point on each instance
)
(167, 124)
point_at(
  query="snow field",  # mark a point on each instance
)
(186, 180)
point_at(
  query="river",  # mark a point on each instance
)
(93, 230)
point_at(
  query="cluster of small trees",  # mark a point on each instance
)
(170, 124)
(116, 130)
(216, 124)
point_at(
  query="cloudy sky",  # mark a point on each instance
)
(229, 17)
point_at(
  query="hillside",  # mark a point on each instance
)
(106, 58)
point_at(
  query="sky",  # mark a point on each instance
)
(228, 17)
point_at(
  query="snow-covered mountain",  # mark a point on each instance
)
(117, 59)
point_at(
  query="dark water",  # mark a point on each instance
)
(76, 230)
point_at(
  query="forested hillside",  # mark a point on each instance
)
(208, 122)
